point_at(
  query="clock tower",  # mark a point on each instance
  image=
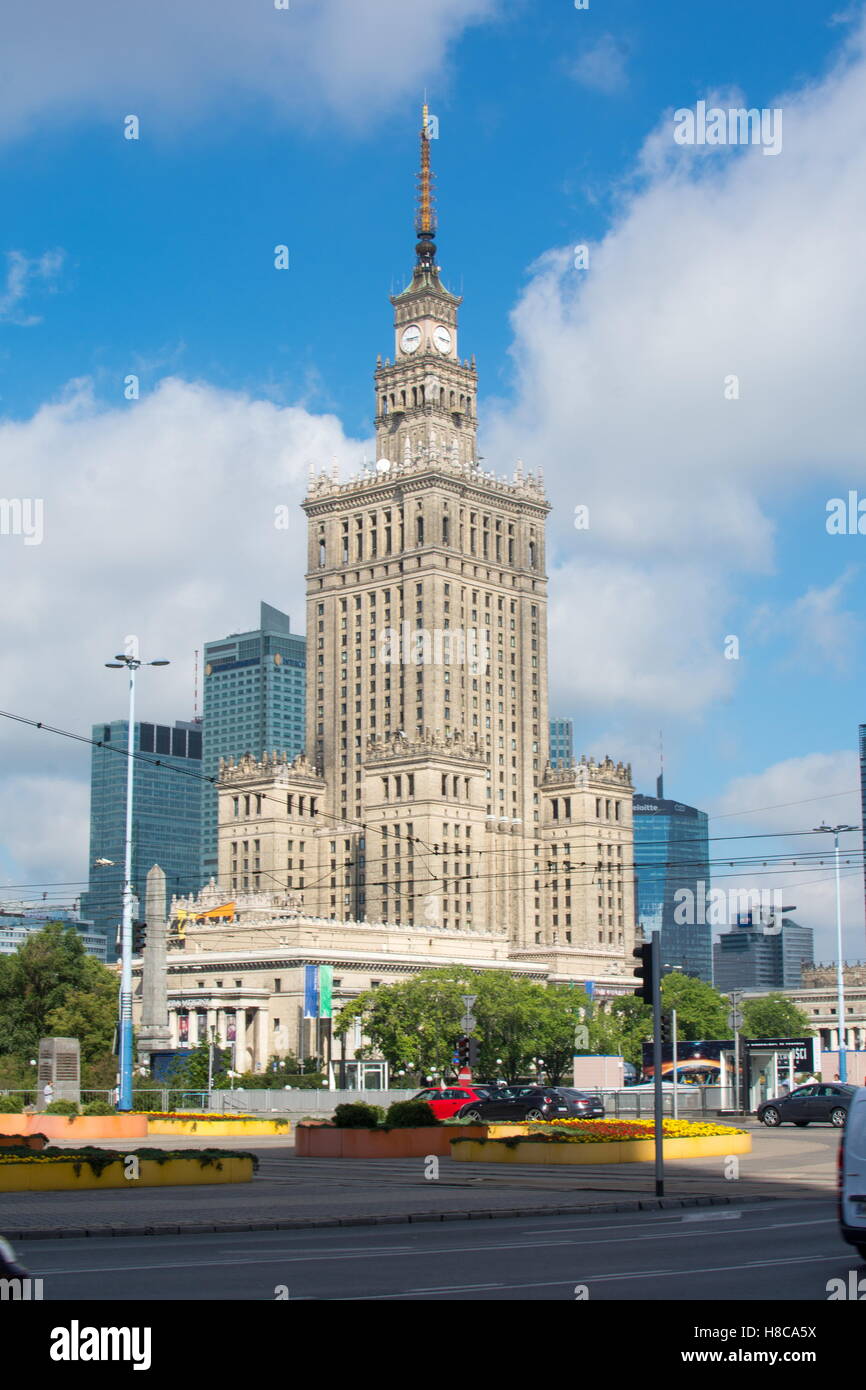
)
(426, 398)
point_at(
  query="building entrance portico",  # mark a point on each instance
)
(234, 1019)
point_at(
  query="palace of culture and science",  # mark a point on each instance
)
(424, 825)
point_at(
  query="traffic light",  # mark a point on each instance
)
(667, 1028)
(467, 1051)
(139, 937)
(644, 971)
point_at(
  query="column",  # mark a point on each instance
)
(261, 1022)
(240, 1038)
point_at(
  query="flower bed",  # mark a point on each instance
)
(34, 1142)
(607, 1131)
(328, 1141)
(63, 1170)
(603, 1141)
(198, 1122)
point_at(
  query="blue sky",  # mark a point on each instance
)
(155, 257)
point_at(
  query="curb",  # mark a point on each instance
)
(309, 1223)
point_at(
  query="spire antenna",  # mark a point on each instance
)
(425, 218)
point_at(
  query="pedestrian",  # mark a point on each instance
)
(48, 1093)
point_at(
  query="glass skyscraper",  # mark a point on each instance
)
(166, 815)
(254, 702)
(671, 852)
(749, 957)
(561, 742)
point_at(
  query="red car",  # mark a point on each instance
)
(445, 1103)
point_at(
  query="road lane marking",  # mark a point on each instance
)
(349, 1252)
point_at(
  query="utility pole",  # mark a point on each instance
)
(676, 1083)
(835, 831)
(658, 1093)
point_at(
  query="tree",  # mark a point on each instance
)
(414, 1024)
(701, 1010)
(191, 1074)
(88, 1013)
(39, 978)
(621, 1028)
(774, 1016)
(554, 1013)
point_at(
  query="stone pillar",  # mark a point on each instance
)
(154, 1034)
(261, 1036)
(240, 1039)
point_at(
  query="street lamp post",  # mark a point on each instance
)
(836, 831)
(124, 1102)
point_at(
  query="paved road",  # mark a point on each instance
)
(784, 1251)
(785, 1163)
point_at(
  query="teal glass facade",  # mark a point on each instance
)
(561, 742)
(254, 702)
(671, 852)
(166, 815)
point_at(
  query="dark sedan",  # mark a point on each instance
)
(822, 1102)
(518, 1103)
(586, 1107)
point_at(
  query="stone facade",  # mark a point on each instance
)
(425, 824)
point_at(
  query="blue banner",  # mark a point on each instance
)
(311, 991)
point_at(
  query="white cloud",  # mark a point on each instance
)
(735, 264)
(602, 66)
(794, 796)
(23, 275)
(345, 58)
(819, 632)
(159, 522)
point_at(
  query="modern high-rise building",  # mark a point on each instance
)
(757, 956)
(671, 855)
(18, 923)
(254, 695)
(166, 815)
(561, 742)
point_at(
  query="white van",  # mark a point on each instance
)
(852, 1174)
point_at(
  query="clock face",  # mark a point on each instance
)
(442, 339)
(411, 338)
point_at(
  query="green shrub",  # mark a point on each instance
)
(410, 1114)
(61, 1107)
(357, 1115)
(10, 1105)
(97, 1107)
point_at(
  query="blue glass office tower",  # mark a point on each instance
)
(561, 742)
(671, 853)
(166, 815)
(254, 702)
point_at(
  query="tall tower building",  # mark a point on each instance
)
(166, 811)
(254, 702)
(426, 795)
(671, 852)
